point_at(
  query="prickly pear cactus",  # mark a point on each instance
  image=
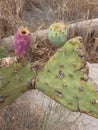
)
(57, 34)
(14, 82)
(3, 52)
(64, 78)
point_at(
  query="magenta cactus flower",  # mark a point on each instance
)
(22, 41)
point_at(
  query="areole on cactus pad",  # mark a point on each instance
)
(22, 41)
(57, 34)
(65, 79)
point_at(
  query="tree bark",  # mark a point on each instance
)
(83, 29)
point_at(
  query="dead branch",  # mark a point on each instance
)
(76, 29)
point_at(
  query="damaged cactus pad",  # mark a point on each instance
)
(22, 41)
(14, 82)
(57, 34)
(64, 79)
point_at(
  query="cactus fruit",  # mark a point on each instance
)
(14, 82)
(57, 34)
(22, 41)
(64, 78)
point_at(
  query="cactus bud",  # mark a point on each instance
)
(57, 34)
(22, 41)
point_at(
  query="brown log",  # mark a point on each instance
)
(83, 29)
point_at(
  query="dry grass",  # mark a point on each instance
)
(10, 12)
(36, 13)
(71, 10)
(42, 51)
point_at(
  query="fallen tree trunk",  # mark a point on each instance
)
(77, 29)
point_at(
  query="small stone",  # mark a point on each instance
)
(31, 84)
(86, 77)
(15, 59)
(94, 101)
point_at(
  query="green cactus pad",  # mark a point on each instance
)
(3, 52)
(14, 83)
(57, 34)
(64, 78)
